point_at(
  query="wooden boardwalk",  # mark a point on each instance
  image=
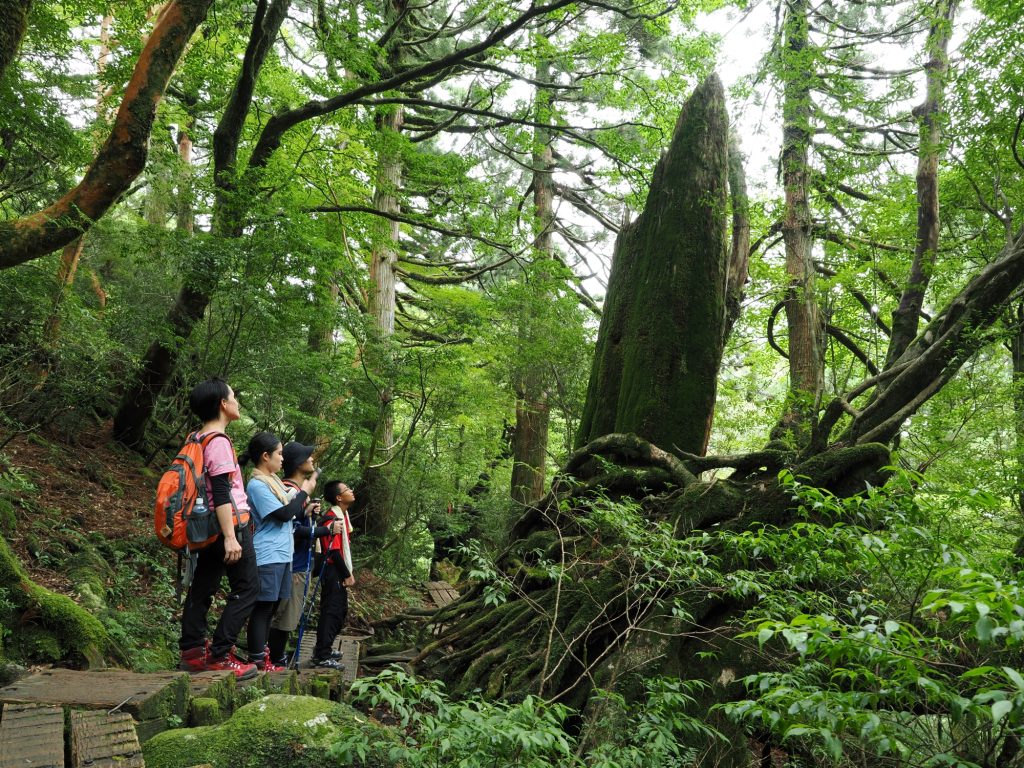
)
(31, 736)
(63, 718)
(442, 593)
(348, 645)
(104, 740)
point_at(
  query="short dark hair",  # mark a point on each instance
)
(205, 398)
(261, 442)
(332, 491)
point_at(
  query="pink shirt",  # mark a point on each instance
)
(219, 457)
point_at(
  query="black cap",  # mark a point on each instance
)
(295, 454)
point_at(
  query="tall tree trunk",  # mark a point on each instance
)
(930, 118)
(1017, 358)
(533, 412)
(739, 253)
(383, 258)
(185, 214)
(229, 216)
(15, 16)
(806, 330)
(662, 331)
(122, 157)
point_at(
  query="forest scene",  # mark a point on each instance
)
(683, 340)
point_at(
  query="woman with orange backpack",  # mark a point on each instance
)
(231, 552)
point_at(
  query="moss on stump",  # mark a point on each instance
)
(49, 627)
(278, 731)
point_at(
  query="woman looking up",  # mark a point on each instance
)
(273, 509)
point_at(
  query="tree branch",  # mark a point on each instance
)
(122, 157)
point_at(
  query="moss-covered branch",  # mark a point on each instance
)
(45, 626)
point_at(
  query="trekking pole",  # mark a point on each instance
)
(293, 662)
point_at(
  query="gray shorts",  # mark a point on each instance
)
(289, 610)
(275, 581)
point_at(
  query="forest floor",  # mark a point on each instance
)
(96, 486)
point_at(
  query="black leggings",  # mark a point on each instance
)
(244, 584)
(259, 624)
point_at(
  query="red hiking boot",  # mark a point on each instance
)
(266, 664)
(193, 660)
(231, 663)
(269, 666)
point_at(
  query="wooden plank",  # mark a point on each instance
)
(102, 740)
(32, 736)
(142, 696)
(442, 593)
(349, 647)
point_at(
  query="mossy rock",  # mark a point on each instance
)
(205, 711)
(278, 731)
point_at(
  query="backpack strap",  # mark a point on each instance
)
(205, 441)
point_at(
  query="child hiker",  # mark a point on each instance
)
(337, 576)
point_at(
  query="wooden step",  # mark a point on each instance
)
(31, 736)
(349, 645)
(442, 593)
(144, 696)
(104, 740)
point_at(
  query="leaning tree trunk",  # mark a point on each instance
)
(122, 157)
(663, 327)
(930, 116)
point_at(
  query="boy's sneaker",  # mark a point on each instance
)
(193, 660)
(326, 664)
(337, 655)
(231, 663)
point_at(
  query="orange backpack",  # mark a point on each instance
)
(183, 517)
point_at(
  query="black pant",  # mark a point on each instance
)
(259, 625)
(244, 582)
(333, 611)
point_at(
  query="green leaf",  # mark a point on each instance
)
(1000, 709)
(983, 628)
(1015, 677)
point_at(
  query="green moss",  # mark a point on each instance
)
(75, 635)
(320, 688)
(277, 731)
(205, 711)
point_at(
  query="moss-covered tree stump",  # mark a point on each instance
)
(47, 627)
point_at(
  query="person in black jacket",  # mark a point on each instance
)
(298, 466)
(337, 576)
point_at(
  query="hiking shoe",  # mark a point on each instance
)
(326, 664)
(193, 660)
(336, 655)
(270, 666)
(263, 663)
(231, 663)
